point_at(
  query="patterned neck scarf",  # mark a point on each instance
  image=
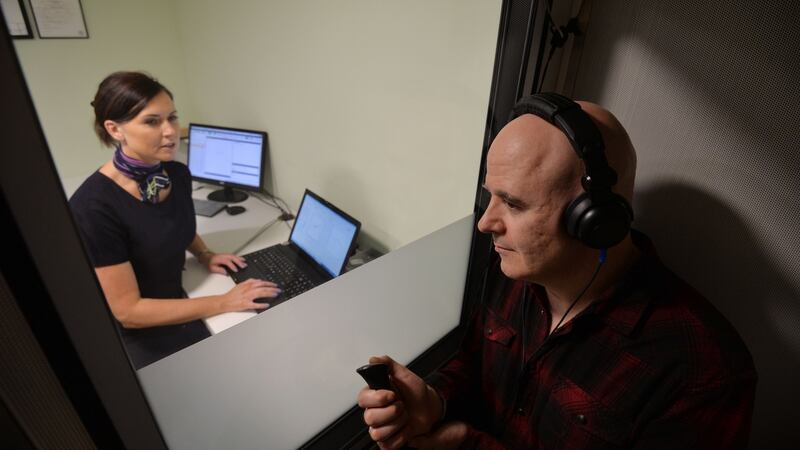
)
(150, 178)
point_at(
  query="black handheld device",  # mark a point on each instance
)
(376, 376)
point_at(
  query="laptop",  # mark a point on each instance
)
(321, 241)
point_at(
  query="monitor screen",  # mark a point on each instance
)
(227, 156)
(324, 232)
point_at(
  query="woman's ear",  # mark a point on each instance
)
(114, 130)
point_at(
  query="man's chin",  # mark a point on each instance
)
(510, 270)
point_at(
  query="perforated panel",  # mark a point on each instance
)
(29, 388)
(708, 92)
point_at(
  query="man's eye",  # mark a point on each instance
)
(511, 205)
(173, 118)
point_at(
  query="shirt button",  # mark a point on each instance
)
(581, 418)
(489, 331)
(520, 411)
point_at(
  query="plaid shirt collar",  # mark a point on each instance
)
(623, 305)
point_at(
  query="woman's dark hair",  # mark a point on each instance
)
(120, 97)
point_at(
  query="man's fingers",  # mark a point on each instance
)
(381, 359)
(369, 398)
(395, 441)
(388, 415)
(396, 370)
(388, 433)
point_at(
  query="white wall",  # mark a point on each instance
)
(63, 74)
(380, 107)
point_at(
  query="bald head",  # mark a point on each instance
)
(530, 144)
(538, 153)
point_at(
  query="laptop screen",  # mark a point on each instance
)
(324, 232)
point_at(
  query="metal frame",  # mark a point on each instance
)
(90, 362)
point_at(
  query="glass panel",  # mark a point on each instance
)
(377, 107)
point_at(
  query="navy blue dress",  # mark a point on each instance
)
(116, 227)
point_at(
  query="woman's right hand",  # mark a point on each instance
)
(244, 294)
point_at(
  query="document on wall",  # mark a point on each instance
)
(15, 18)
(59, 18)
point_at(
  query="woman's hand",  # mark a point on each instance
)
(217, 262)
(244, 294)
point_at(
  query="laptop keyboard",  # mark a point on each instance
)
(280, 270)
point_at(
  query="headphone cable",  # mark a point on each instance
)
(600, 262)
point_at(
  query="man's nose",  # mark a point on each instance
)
(489, 222)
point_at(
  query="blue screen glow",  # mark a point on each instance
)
(323, 234)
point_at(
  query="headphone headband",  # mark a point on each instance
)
(582, 133)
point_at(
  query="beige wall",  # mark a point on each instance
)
(380, 107)
(63, 74)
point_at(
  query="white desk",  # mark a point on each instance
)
(224, 233)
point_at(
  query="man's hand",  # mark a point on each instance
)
(448, 436)
(394, 418)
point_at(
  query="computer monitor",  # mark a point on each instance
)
(228, 157)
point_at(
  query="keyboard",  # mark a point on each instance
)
(207, 208)
(273, 265)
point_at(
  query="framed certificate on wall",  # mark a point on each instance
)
(59, 19)
(16, 19)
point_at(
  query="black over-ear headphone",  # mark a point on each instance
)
(599, 217)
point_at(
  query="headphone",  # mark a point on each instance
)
(599, 218)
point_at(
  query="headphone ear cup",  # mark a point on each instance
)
(598, 224)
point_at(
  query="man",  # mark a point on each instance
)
(618, 352)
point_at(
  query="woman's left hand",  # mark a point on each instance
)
(217, 262)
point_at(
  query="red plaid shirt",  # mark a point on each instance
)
(652, 365)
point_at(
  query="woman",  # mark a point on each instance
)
(137, 220)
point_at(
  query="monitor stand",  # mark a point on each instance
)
(228, 195)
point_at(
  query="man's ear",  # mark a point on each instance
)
(114, 130)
